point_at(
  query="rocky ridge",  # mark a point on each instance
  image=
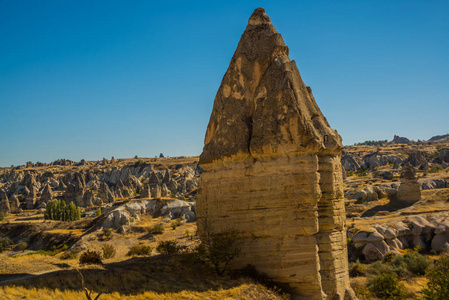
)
(94, 185)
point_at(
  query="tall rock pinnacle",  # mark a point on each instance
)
(273, 170)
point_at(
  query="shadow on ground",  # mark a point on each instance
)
(159, 274)
(388, 208)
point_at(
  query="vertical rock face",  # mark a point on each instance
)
(4, 203)
(31, 198)
(273, 170)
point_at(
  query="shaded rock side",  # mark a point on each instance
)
(273, 171)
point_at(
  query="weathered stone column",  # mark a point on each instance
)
(273, 172)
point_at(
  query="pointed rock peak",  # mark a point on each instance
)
(259, 17)
(263, 108)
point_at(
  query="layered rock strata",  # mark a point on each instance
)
(273, 170)
(409, 191)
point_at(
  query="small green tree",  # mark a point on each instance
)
(218, 248)
(438, 285)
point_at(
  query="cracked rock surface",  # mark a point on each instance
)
(273, 172)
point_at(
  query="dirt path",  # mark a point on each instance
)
(18, 277)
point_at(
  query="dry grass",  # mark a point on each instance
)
(156, 277)
(245, 291)
(76, 232)
(412, 286)
(30, 264)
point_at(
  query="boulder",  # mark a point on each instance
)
(387, 175)
(443, 155)
(441, 235)
(179, 208)
(15, 204)
(117, 218)
(430, 184)
(350, 162)
(375, 250)
(418, 160)
(4, 204)
(47, 194)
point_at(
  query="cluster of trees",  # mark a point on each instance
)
(58, 210)
(372, 143)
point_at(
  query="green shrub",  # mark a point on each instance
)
(91, 257)
(169, 247)
(438, 276)
(399, 266)
(21, 246)
(98, 212)
(176, 223)
(386, 286)
(5, 243)
(417, 263)
(108, 251)
(54, 251)
(2, 217)
(139, 250)
(357, 269)
(107, 234)
(188, 234)
(377, 268)
(156, 229)
(389, 257)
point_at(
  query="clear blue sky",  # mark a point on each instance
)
(94, 79)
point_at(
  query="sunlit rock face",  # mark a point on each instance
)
(410, 189)
(273, 172)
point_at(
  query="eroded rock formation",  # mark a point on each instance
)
(409, 191)
(273, 170)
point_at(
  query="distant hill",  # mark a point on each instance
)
(439, 137)
(403, 140)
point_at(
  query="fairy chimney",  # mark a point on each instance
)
(273, 172)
